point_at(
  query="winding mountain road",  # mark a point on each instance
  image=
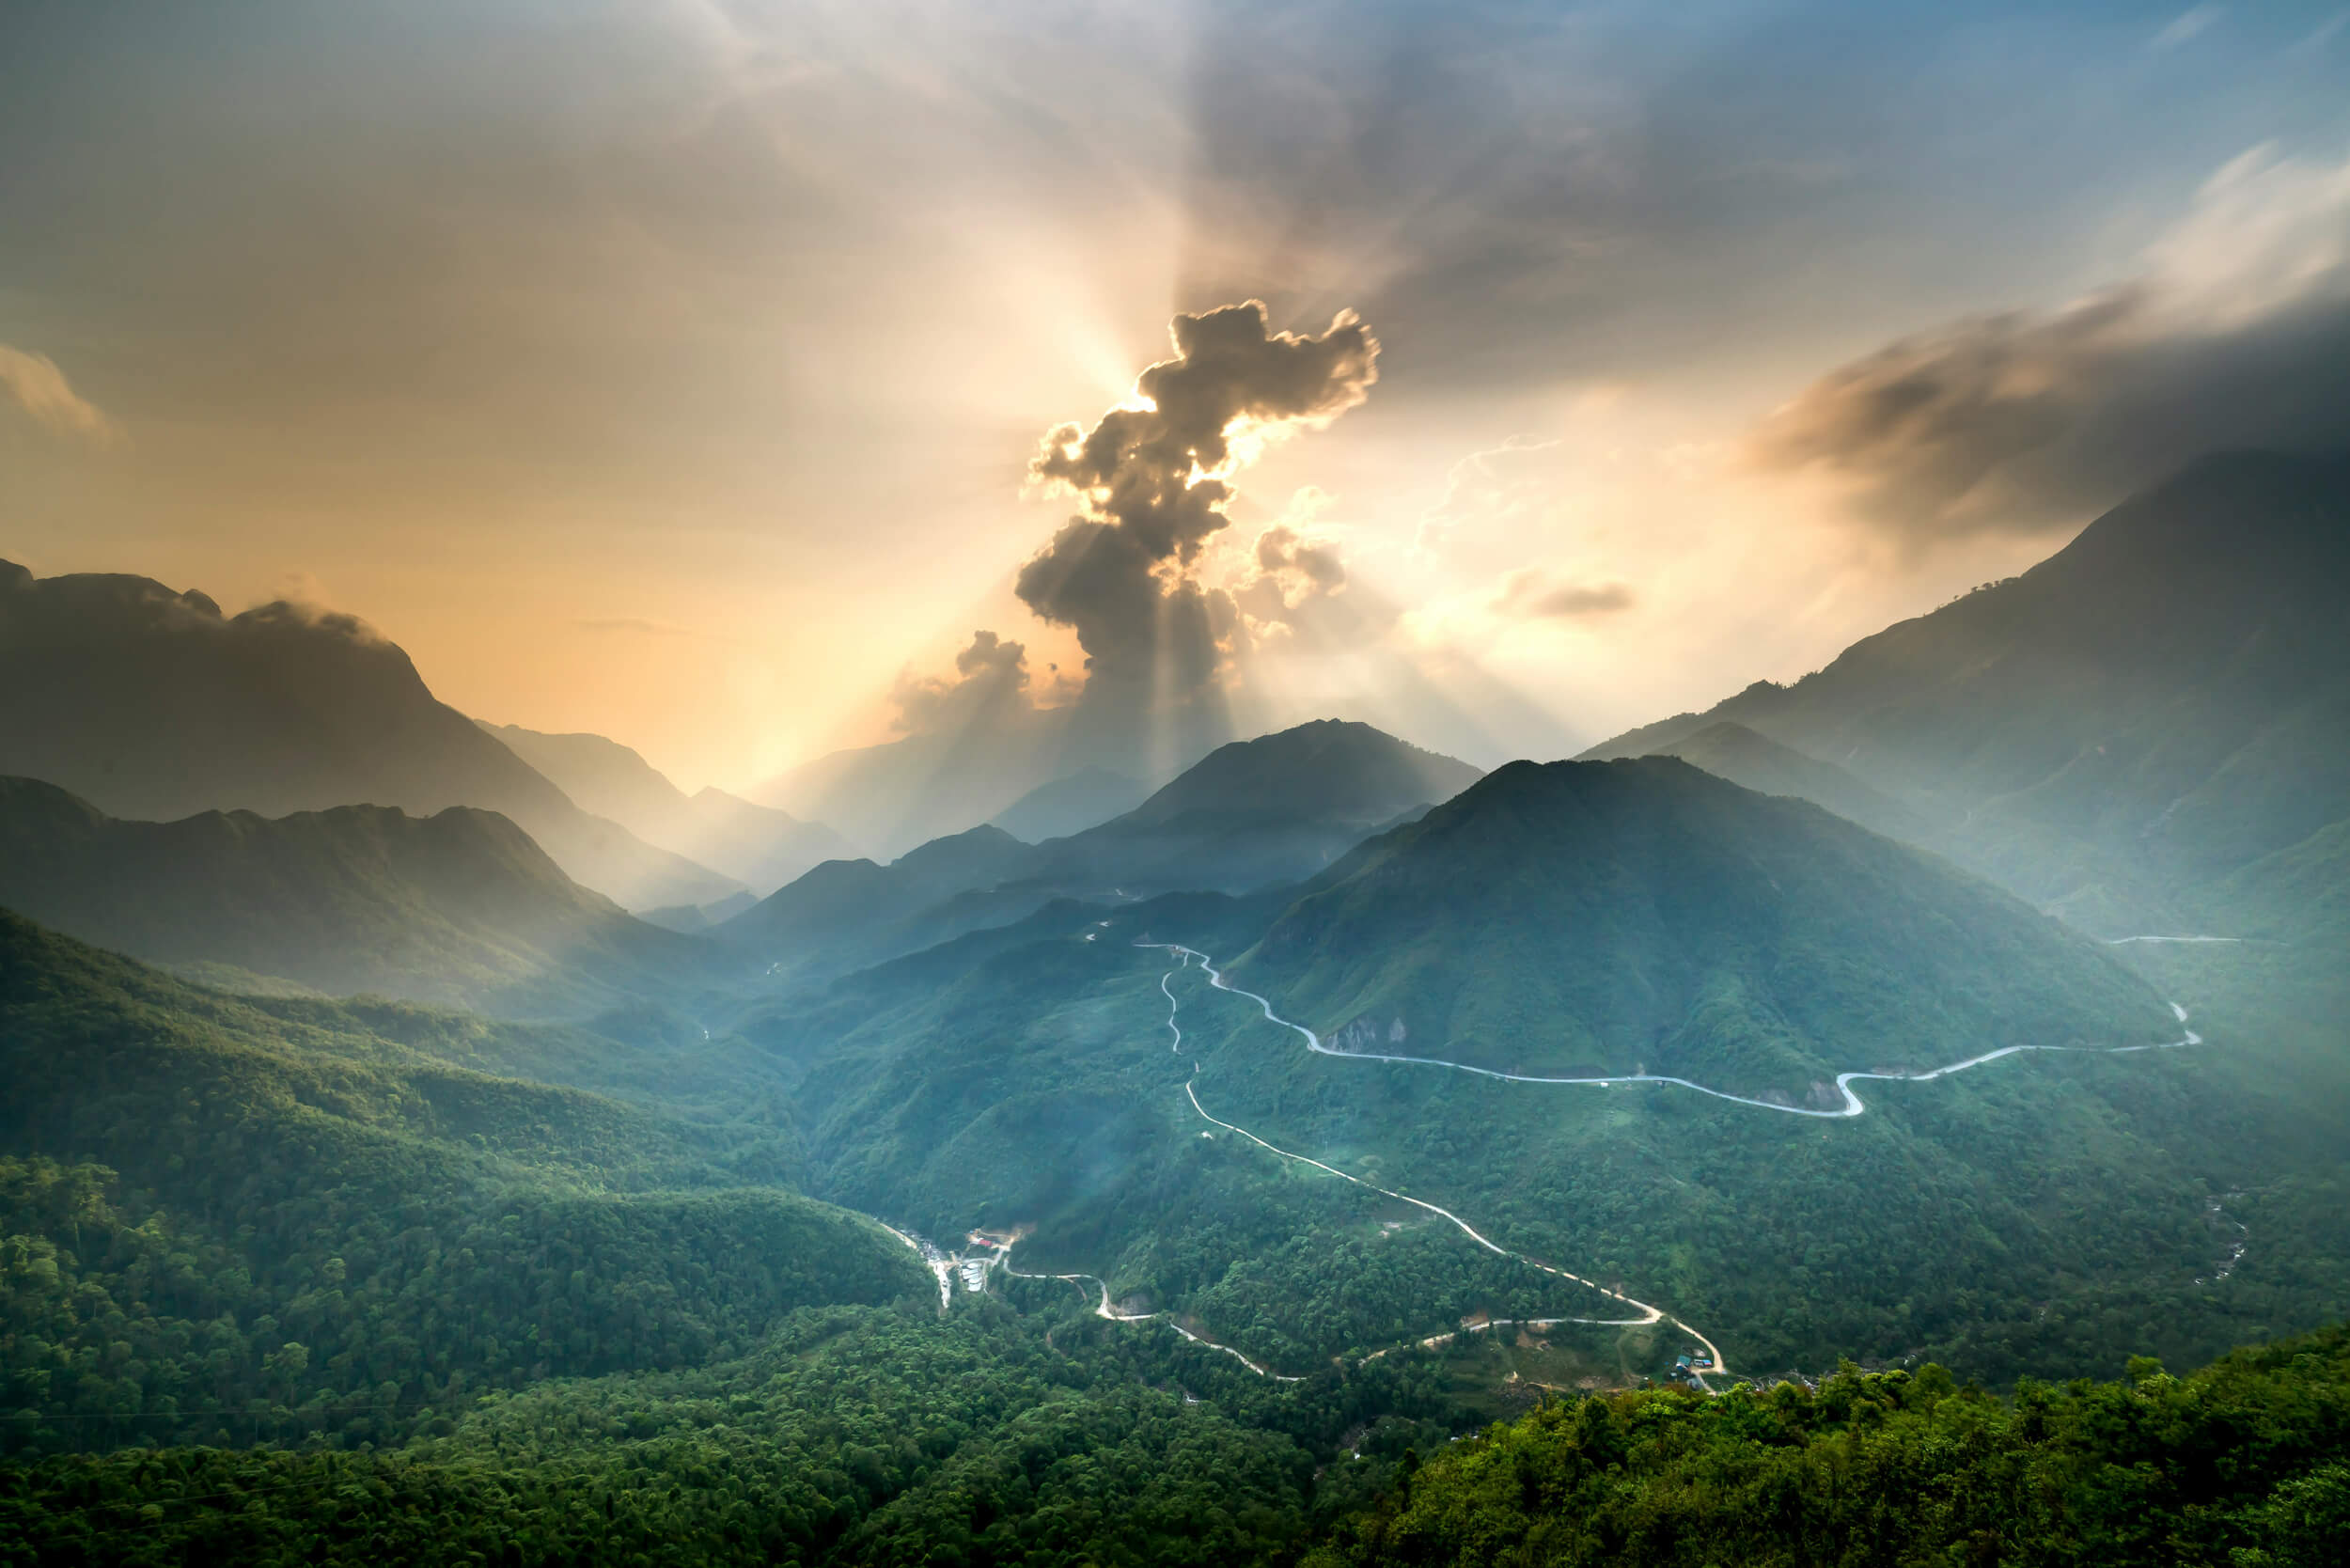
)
(1106, 1311)
(1647, 1314)
(1853, 1105)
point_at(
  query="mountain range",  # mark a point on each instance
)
(1251, 814)
(606, 1260)
(2159, 706)
(757, 845)
(460, 908)
(151, 704)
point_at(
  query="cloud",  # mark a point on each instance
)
(294, 618)
(43, 391)
(991, 679)
(2236, 333)
(1531, 594)
(1298, 593)
(1154, 481)
(1506, 489)
(1281, 550)
(2187, 25)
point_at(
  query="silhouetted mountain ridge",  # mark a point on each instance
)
(757, 845)
(456, 908)
(152, 705)
(1251, 814)
(1086, 798)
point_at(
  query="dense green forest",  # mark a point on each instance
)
(285, 1278)
(2043, 1214)
(850, 1434)
(893, 1437)
(223, 1227)
(1585, 918)
(282, 1278)
(2243, 1463)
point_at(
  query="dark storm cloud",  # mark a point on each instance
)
(2238, 335)
(2014, 423)
(990, 678)
(1153, 482)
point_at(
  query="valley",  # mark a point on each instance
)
(798, 784)
(1710, 1087)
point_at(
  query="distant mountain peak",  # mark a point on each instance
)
(1600, 917)
(1333, 767)
(459, 905)
(2158, 703)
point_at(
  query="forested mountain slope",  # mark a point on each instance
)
(459, 908)
(234, 1225)
(153, 705)
(1253, 814)
(2244, 1464)
(327, 1293)
(1591, 918)
(1032, 1076)
(2160, 703)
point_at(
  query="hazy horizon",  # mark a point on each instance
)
(674, 372)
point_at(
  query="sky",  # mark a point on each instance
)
(745, 380)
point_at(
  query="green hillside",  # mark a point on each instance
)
(853, 1440)
(278, 1286)
(225, 1225)
(1024, 1077)
(1585, 918)
(2244, 1464)
(459, 908)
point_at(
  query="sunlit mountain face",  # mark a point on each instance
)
(1058, 783)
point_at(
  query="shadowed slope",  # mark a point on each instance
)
(1645, 915)
(153, 704)
(459, 908)
(2162, 701)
